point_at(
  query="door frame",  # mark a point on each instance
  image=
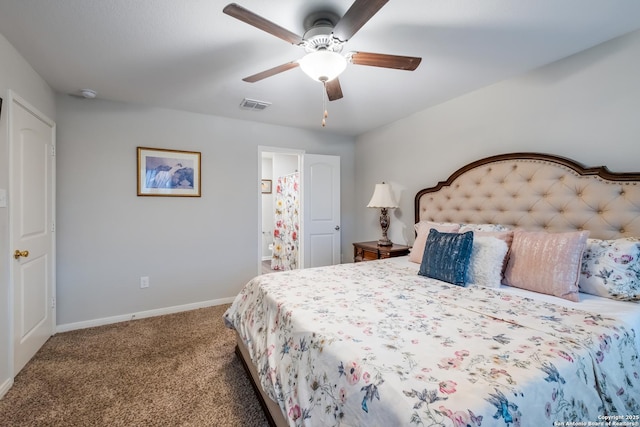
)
(13, 97)
(276, 150)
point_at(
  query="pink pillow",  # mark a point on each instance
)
(548, 263)
(422, 231)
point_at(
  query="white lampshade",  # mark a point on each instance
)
(323, 65)
(382, 197)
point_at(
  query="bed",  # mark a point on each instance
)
(542, 327)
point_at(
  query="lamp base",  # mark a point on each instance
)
(385, 242)
(384, 224)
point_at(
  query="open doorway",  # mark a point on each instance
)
(280, 209)
(317, 234)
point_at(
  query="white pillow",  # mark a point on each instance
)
(487, 257)
(483, 227)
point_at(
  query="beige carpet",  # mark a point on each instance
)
(174, 370)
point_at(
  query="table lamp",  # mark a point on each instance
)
(383, 198)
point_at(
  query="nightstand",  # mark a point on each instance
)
(367, 251)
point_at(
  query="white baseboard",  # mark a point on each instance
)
(4, 388)
(141, 315)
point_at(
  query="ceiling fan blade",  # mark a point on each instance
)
(271, 72)
(408, 63)
(334, 91)
(258, 21)
(357, 15)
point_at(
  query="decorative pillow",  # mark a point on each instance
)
(506, 236)
(446, 257)
(611, 269)
(440, 226)
(482, 227)
(548, 263)
(422, 230)
(487, 257)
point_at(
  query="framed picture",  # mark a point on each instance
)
(168, 172)
(265, 185)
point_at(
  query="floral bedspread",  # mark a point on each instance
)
(373, 344)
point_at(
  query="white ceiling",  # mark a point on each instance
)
(188, 55)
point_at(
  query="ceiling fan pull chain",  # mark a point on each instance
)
(324, 103)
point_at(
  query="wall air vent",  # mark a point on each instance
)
(253, 105)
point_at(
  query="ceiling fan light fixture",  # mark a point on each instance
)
(323, 65)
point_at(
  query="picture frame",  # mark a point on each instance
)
(265, 186)
(164, 172)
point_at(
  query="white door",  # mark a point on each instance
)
(31, 199)
(321, 210)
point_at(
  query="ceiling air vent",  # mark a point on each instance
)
(254, 105)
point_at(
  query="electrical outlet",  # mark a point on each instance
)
(144, 282)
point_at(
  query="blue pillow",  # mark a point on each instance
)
(446, 256)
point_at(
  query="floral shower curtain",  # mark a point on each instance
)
(287, 223)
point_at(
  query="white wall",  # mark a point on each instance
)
(586, 107)
(193, 249)
(16, 75)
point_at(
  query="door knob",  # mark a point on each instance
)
(337, 227)
(17, 254)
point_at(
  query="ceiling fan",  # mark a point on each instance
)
(325, 35)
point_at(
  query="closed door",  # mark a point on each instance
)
(321, 208)
(31, 199)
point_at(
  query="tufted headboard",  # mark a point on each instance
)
(536, 192)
